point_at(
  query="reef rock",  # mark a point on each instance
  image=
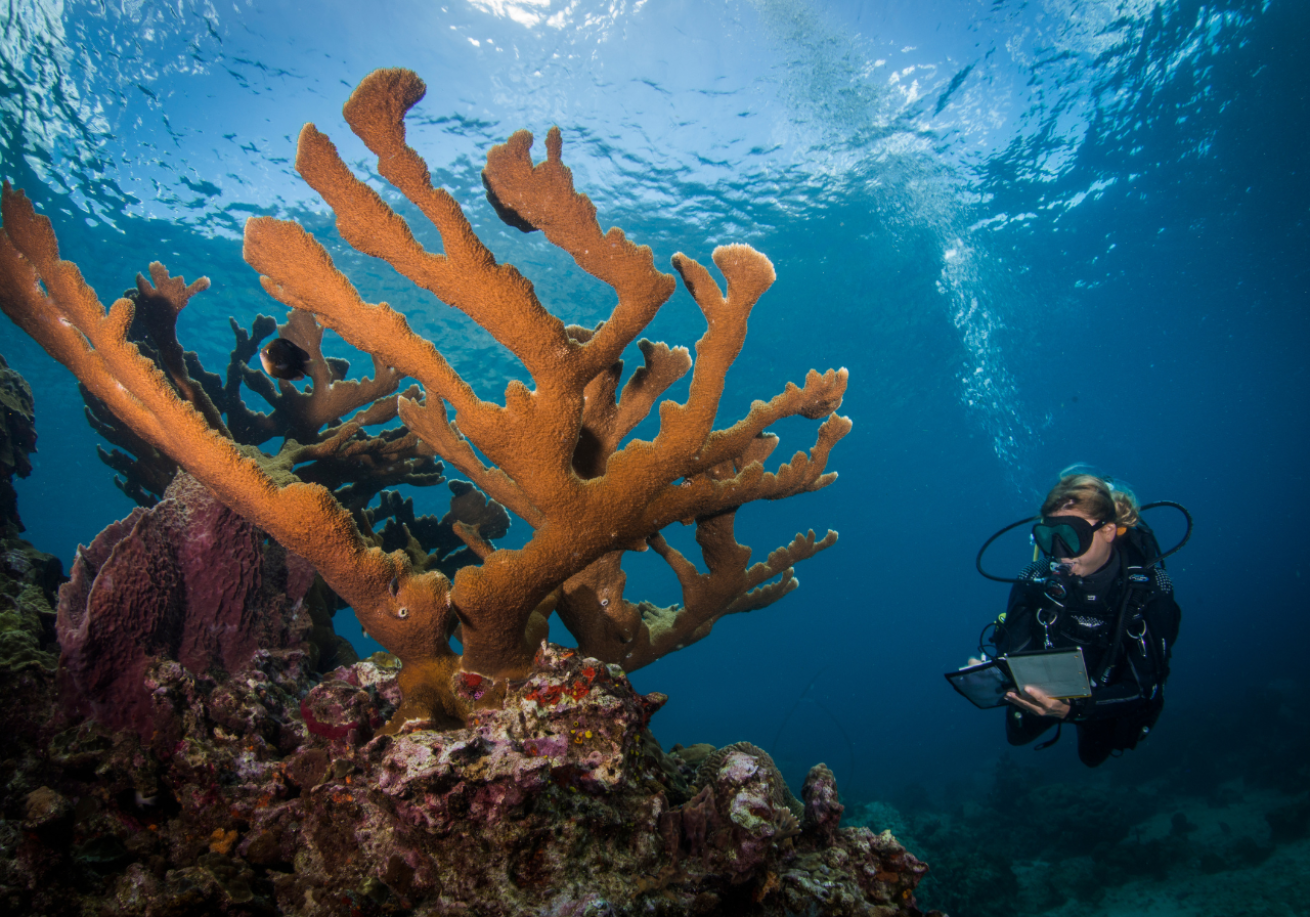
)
(17, 442)
(272, 793)
(28, 581)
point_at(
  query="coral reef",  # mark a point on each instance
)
(251, 786)
(218, 773)
(28, 578)
(555, 450)
(273, 793)
(17, 442)
(28, 581)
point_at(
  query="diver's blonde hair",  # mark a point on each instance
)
(1097, 497)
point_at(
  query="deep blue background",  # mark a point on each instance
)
(1036, 234)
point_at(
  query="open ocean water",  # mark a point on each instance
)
(1036, 233)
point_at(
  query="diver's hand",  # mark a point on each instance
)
(1034, 700)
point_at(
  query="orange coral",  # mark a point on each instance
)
(553, 449)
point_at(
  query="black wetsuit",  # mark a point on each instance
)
(1127, 702)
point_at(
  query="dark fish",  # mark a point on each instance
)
(282, 359)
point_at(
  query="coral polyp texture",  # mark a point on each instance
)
(555, 453)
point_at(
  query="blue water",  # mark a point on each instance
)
(1036, 233)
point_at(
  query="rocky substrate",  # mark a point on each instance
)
(272, 792)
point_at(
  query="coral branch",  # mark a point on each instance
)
(329, 398)
(69, 322)
(559, 453)
(635, 635)
(158, 307)
(542, 197)
(432, 426)
(146, 472)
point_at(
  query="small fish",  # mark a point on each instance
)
(282, 359)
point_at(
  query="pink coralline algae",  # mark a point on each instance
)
(187, 580)
(341, 712)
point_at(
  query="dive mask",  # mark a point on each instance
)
(1065, 536)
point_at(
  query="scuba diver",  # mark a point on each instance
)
(1101, 587)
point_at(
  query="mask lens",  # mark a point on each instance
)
(1066, 542)
(1071, 537)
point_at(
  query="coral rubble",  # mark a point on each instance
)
(557, 457)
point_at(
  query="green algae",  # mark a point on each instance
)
(21, 630)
